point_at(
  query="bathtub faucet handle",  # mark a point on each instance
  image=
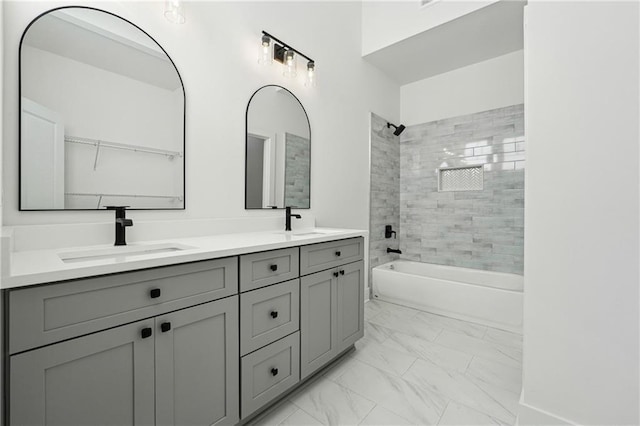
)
(389, 232)
(390, 250)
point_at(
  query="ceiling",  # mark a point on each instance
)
(489, 32)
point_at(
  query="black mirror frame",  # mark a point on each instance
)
(246, 142)
(184, 113)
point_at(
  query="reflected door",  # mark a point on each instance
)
(42, 144)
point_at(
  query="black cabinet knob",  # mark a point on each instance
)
(338, 253)
(273, 267)
(342, 272)
(274, 371)
(146, 332)
(165, 326)
(274, 314)
(335, 274)
(154, 293)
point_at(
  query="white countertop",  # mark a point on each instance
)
(43, 266)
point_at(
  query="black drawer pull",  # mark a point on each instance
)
(274, 314)
(342, 272)
(335, 274)
(154, 293)
(274, 371)
(146, 332)
(338, 253)
(273, 267)
(165, 326)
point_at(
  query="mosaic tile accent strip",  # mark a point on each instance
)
(461, 179)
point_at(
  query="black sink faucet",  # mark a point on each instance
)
(121, 224)
(287, 218)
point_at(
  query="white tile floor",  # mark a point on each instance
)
(414, 368)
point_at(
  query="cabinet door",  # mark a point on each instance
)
(318, 317)
(350, 308)
(105, 378)
(197, 361)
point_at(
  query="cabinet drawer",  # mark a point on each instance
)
(269, 267)
(318, 257)
(268, 314)
(50, 313)
(268, 372)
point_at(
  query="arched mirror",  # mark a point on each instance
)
(101, 115)
(278, 151)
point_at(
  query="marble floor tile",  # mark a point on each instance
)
(406, 325)
(456, 415)
(496, 374)
(300, 418)
(397, 395)
(333, 404)
(385, 358)
(381, 416)
(480, 347)
(377, 307)
(339, 367)
(447, 358)
(451, 324)
(377, 332)
(504, 338)
(457, 387)
(509, 400)
(276, 415)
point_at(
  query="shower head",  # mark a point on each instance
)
(399, 129)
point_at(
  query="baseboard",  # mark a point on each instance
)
(528, 415)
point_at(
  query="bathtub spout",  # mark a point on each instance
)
(390, 250)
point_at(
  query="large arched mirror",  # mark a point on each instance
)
(278, 151)
(101, 115)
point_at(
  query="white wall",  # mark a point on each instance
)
(491, 84)
(387, 22)
(581, 324)
(216, 54)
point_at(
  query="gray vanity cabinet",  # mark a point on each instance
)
(103, 378)
(196, 365)
(179, 368)
(331, 314)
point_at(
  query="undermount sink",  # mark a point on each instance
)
(306, 232)
(121, 252)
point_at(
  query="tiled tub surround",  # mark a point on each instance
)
(413, 368)
(385, 191)
(475, 229)
(296, 172)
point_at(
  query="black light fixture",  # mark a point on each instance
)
(399, 129)
(286, 55)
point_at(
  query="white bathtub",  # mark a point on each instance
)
(484, 297)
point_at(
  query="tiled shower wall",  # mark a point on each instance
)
(385, 191)
(482, 229)
(296, 171)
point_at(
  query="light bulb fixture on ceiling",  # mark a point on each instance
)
(274, 49)
(174, 11)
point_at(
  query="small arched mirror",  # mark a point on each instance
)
(278, 151)
(101, 115)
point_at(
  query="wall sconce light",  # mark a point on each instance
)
(174, 11)
(265, 57)
(287, 56)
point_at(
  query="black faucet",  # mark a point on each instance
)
(121, 224)
(287, 218)
(390, 250)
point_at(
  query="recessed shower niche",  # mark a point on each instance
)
(101, 115)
